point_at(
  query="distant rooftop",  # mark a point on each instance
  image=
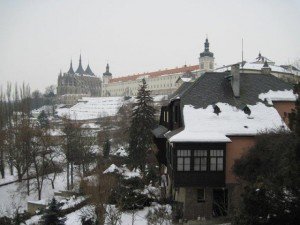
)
(158, 73)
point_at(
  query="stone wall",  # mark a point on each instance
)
(192, 209)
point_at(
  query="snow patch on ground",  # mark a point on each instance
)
(121, 151)
(140, 216)
(14, 195)
(73, 201)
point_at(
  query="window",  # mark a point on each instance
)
(200, 195)
(183, 160)
(216, 160)
(200, 160)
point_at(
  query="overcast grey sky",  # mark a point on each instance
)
(39, 37)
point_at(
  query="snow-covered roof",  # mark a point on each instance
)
(203, 125)
(186, 79)
(270, 96)
(93, 108)
(46, 108)
(254, 66)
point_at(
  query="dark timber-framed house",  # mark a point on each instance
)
(208, 124)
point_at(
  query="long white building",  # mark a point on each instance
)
(162, 82)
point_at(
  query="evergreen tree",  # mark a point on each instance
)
(51, 215)
(43, 119)
(142, 121)
(106, 148)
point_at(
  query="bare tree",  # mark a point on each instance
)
(100, 189)
(55, 166)
(41, 149)
(159, 216)
(112, 215)
(71, 148)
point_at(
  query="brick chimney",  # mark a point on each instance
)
(235, 81)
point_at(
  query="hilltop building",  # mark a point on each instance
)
(206, 126)
(162, 82)
(73, 85)
(262, 64)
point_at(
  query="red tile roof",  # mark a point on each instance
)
(155, 73)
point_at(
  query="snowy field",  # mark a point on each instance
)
(14, 195)
(74, 218)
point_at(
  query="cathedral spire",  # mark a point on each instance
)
(80, 69)
(88, 71)
(71, 71)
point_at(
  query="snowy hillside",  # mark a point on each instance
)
(92, 108)
(89, 108)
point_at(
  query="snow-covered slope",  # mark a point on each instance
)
(92, 108)
(89, 108)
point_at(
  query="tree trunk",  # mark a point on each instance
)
(68, 176)
(2, 164)
(52, 184)
(19, 175)
(72, 170)
(83, 169)
(11, 168)
(28, 182)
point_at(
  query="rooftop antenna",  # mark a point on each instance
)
(242, 54)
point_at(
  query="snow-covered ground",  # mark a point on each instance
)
(14, 195)
(8, 178)
(74, 218)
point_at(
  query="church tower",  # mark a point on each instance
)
(107, 75)
(206, 59)
(80, 70)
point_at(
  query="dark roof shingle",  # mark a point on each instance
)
(212, 87)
